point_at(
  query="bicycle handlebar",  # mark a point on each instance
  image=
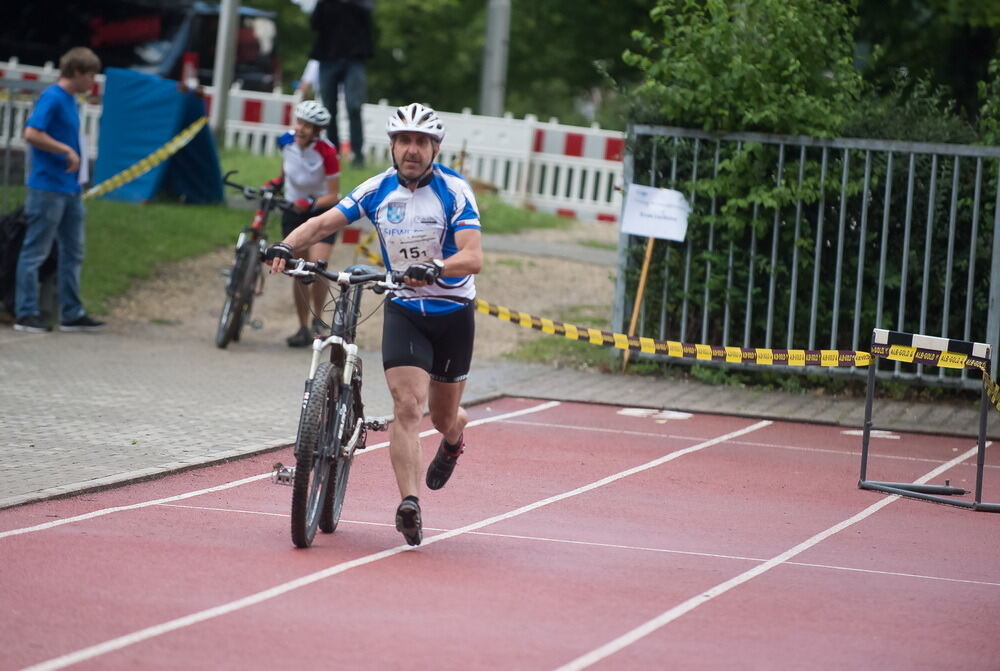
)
(380, 279)
(256, 193)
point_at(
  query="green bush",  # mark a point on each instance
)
(779, 66)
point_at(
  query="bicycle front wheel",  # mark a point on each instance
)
(334, 502)
(315, 453)
(239, 294)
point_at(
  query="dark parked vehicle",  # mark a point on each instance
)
(152, 36)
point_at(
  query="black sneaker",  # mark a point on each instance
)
(443, 463)
(408, 521)
(302, 338)
(32, 324)
(83, 323)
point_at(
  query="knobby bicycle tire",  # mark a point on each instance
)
(314, 462)
(239, 294)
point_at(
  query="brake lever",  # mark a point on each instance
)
(298, 270)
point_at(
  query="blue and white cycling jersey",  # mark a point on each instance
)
(414, 226)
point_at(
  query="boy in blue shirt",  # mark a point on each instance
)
(54, 203)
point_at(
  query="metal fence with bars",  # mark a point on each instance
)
(805, 243)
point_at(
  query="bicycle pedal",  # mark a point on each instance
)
(378, 423)
(283, 475)
(256, 324)
(226, 272)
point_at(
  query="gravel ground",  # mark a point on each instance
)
(188, 295)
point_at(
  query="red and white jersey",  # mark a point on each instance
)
(306, 170)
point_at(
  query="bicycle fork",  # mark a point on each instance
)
(285, 475)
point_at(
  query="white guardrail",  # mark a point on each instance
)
(567, 170)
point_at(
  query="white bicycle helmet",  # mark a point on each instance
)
(415, 118)
(312, 112)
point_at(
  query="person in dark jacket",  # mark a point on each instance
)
(343, 43)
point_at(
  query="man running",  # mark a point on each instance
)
(428, 225)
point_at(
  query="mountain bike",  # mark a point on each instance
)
(332, 422)
(246, 279)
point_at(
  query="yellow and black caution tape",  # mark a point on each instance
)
(366, 251)
(752, 355)
(149, 162)
(765, 356)
(942, 359)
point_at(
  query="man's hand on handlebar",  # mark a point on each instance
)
(424, 273)
(277, 255)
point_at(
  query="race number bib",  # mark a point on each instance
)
(405, 250)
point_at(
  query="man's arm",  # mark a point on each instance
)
(468, 260)
(311, 232)
(42, 140)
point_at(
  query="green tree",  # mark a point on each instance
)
(948, 43)
(782, 66)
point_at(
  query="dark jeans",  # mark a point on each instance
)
(51, 216)
(351, 74)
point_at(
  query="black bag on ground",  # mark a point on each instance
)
(12, 227)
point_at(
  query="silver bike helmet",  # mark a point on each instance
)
(415, 118)
(313, 112)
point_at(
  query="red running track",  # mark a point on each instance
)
(572, 536)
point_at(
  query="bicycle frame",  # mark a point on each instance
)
(338, 349)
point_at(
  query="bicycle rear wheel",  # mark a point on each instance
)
(239, 294)
(315, 454)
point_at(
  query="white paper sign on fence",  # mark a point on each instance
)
(655, 213)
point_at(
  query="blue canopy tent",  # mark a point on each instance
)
(140, 114)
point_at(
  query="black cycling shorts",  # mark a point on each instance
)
(440, 344)
(291, 220)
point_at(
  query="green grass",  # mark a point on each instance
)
(127, 241)
(564, 353)
(599, 244)
(501, 218)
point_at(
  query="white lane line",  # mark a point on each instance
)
(224, 510)
(237, 483)
(636, 548)
(278, 590)
(800, 448)
(133, 506)
(668, 616)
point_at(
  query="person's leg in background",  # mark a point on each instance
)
(43, 212)
(70, 235)
(329, 83)
(319, 292)
(355, 94)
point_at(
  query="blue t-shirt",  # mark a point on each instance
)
(56, 114)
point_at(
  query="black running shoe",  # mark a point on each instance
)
(32, 324)
(301, 338)
(443, 464)
(408, 522)
(83, 323)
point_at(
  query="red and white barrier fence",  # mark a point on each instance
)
(566, 170)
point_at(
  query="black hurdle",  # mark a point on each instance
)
(976, 353)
